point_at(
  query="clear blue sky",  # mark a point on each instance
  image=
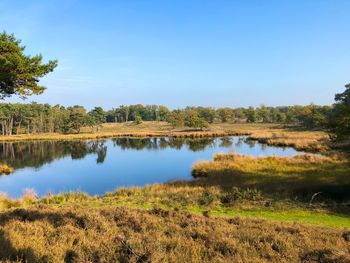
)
(178, 53)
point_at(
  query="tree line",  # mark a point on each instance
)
(17, 118)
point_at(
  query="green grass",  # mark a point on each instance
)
(298, 216)
(184, 198)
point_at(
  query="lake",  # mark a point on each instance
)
(99, 166)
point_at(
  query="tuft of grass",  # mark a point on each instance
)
(5, 169)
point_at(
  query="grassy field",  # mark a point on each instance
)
(270, 134)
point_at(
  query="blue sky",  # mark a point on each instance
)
(190, 52)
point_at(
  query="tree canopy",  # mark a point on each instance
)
(19, 73)
(340, 118)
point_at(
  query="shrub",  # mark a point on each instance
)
(239, 194)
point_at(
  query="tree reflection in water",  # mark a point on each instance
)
(37, 153)
(163, 143)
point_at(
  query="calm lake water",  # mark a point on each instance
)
(98, 166)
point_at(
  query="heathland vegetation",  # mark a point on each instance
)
(238, 209)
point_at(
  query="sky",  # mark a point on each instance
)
(186, 52)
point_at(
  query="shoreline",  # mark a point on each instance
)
(269, 134)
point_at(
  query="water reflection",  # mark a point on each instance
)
(97, 166)
(163, 143)
(35, 154)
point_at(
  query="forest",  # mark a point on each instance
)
(42, 118)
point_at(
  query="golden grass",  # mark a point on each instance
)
(308, 141)
(77, 234)
(299, 176)
(108, 130)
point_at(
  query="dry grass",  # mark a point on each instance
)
(75, 234)
(302, 141)
(296, 177)
(109, 130)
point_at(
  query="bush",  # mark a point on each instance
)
(206, 199)
(137, 120)
(239, 194)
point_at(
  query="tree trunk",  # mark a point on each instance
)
(11, 126)
(18, 127)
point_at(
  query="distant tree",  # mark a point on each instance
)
(111, 116)
(292, 115)
(339, 121)
(306, 116)
(162, 113)
(66, 124)
(225, 114)
(124, 110)
(251, 115)
(239, 114)
(281, 117)
(99, 115)
(96, 117)
(77, 117)
(263, 114)
(207, 113)
(193, 120)
(20, 74)
(90, 121)
(140, 110)
(176, 118)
